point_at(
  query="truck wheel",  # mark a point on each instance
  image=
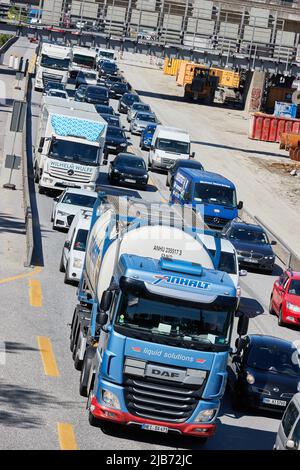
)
(61, 265)
(36, 175)
(85, 371)
(94, 421)
(77, 362)
(73, 331)
(66, 280)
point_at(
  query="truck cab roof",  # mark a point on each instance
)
(206, 177)
(164, 276)
(172, 133)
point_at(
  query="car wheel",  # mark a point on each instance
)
(280, 321)
(61, 265)
(271, 311)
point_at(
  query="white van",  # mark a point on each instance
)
(168, 145)
(288, 436)
(228, 259)
(73, 253)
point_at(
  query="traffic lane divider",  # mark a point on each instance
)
(66, 436)
(48, 357)
(35, 293)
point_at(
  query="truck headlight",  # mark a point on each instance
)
(62, 213)
(206, 415)
(292, 307)
(110, 399)
(77, 263)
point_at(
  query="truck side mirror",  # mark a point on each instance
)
(243, 324)
(151, 147)
(243, 272)
(237, 359)
(101, 318)
(67, 244)
(273, 242)
(106, 300)
(290, 444)
(192, 155)
(240, 205)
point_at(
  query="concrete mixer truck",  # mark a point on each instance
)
(152, 328)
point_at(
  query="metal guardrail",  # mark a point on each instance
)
(282, 251)
(26, 191)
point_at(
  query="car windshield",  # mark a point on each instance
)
(129, 99)
(108, 55)
(78, 199)
(112, 120)
(74, 152)
(150, 130)
(133, 162)
(227, 262)
(119, 86)
(104, 109)
(145, 117)
(91, 76)
(214, 194)
(194, 326)
(86, 61)
(53, 63)
(249, 236)
(80, 240)
(96, 91)
(187, 164)
(173, 146)
(294, 287)
(57, 93)
(114, 132)
(109, 66)
(55, 86)
(140, 107)
(275, 359)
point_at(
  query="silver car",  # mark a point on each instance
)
(135, 108)
(288, 436)
(141, 121)
(86, 78)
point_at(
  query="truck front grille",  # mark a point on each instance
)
(62, 173)
(47, 77)
(167, 161)
(165, 401)
(215, 221)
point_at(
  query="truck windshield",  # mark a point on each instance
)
(191, 325)
(53, 63)
(173, 146)
(74, 152)
(84, 60)
(214, 194)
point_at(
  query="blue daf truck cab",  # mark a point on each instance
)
(212, 195)
(157, 336)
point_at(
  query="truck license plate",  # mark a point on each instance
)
(153, 427)
(270, 401)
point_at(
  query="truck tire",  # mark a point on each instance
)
(66, 280)
(73, 330)
(95, 422)
(36, 174)
(85, 371)
(77, 362)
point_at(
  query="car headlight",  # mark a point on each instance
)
(269, 257)
(115, 170)
(123, 144)
(250, 378)
(292, 307)
(206, 415)
(62, 213)
(110, 399)
(77, 263)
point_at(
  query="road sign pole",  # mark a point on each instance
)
(9, 185)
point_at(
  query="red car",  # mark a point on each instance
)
(285, 298)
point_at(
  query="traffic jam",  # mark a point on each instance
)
(158, 334)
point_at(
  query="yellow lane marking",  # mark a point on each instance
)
(48, 358)
(66, 435)
(35, 293)
(21, 276)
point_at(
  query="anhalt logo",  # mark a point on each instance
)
(136, 349)
(181, 281)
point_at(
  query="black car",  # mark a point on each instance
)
(126, 101)
(112, 79)
(115, 141)
(127, 168)
(54, 86)
(263, 373)
(108, 68)
(253, 247)
(181, 163)
(79, 93)
(112, 120)
(94, 95)
(118, 89)
(104, 109)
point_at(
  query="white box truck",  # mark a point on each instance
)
(53, 63)
(69, 145)
(168, 145)
(82, 58)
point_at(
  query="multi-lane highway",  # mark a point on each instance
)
(40, 404)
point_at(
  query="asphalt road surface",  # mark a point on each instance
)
(39, 410)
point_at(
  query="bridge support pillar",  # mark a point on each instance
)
(255, 92)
